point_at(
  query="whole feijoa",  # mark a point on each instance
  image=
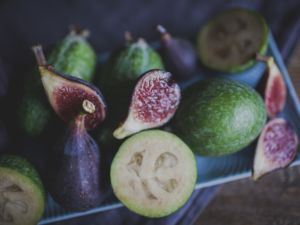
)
(153, 173)
(219, 117)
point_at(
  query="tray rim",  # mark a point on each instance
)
(230, 178)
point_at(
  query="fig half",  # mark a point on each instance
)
(70, 96)
(276, 148)
(154, 101)
(272, 87)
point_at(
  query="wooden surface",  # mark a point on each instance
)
(273, 200)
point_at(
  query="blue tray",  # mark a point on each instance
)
(211, 170)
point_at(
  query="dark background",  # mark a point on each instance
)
(28, 22)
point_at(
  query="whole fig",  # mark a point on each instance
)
(179, 55)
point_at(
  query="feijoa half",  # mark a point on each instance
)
(22, 196)
(153, 173)
(230, 41)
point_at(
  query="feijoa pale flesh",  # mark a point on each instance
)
(154, 101)
(230, 41)
(277, 147)
(153, 173)
(22, 196)
(70, 96)
(219, 116)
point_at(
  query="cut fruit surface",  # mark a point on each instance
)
(276, 148)
(22, 197)
(230, 41)
(154, 101)
(153, 173)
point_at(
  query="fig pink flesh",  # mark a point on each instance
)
(156, 97)
(69, 98)
(275, 95)
(276, 148)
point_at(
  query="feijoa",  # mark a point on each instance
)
(230, 41)
(153, 173)
(22, 196)
(219, 116)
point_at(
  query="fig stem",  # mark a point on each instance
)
(128, 36)
(121, 132)
(39, 55)
(88, 106)
(76, 30)
(165, 36)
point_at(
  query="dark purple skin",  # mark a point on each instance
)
(3, 80)
(179, 56)
(3, 137)
(76, 180)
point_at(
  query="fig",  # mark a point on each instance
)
(153, 173)
(272, 87)
(73, 55)
(179, 55)
(276, 147)
(154, 101)
(229, 41)
(75, 177)
(3, 137)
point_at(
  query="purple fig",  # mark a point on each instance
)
(3, 80)
(179, 55)
(272, 87)
(154, 101)
(276, 148)
(75, 177)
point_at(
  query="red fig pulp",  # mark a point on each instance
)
(154, 102)
(276, 148)
(70, 96)
(273, 86)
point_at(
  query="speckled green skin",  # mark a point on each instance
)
(219, 117)
(73, 56)
(127, 64)
(21, 170)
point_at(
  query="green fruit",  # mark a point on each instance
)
(230, 41)
(127, 64)
(153, 173)
(73, 56)
(219, 117)
(22, 196)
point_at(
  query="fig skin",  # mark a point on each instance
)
(277, 147)
(154, 102)
(75, 179)
(272, 87)
(179, 55)
(4, 81)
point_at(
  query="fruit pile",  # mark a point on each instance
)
(154, 172)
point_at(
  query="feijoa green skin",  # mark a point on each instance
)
(219, 117)
(128, 63)
(73, 56)
(22, 195)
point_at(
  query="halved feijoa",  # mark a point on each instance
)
(153, 173)
(70, 96)
(22, 196)
(230, 41)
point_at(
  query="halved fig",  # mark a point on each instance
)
(154, 101)
(276, 148)
(272, 87)
(153, 173)
(70, 96)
